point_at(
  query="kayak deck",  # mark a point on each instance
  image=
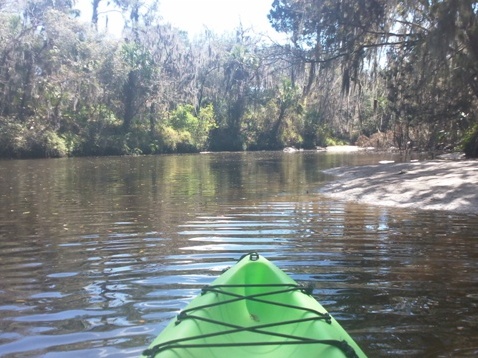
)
(254, 310)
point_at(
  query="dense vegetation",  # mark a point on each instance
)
(376, 72)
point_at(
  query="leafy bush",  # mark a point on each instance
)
(470, 142)
(54, 146)
(12, 138)
(192, 131)
(27, 139)
(325, 136)
(171, 139)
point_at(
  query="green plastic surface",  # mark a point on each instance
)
(257, 315)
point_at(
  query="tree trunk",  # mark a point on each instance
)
(129, 99)
(94, 16)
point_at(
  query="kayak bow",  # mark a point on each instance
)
(254, 310)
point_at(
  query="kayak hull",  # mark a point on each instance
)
(254, 309)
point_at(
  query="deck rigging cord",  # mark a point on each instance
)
(185, 343)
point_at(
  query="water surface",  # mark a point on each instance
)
(98, 254)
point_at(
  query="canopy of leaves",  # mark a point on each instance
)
(403, 70)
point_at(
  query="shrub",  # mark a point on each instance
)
(192, 131)
(12, 138)
(54, 146)
(470, 142)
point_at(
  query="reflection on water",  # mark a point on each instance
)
(98, 254)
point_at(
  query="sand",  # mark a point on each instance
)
(428, 185)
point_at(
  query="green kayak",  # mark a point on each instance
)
(254, 310)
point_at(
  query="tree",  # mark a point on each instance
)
(323, 31)
(239, 76)
(351, 67)
(133, 12)
(432, 55)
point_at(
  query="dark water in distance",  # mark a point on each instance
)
(98, 254)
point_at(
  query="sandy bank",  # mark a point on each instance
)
(429, 185)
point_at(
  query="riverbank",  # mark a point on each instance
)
(427, 185)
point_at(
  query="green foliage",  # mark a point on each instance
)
(183, 118)
(330, 141)
(138, 57)
(278, 122)
(72, 143)
(13, 141)
(172, 140)
(53, 145)
(325, 137)
(206, 123)
(192, 130)
(470, 142)
(26, 140)
(351, 68)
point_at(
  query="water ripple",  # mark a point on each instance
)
(99, 254)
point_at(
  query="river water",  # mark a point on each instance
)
(98, 254)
